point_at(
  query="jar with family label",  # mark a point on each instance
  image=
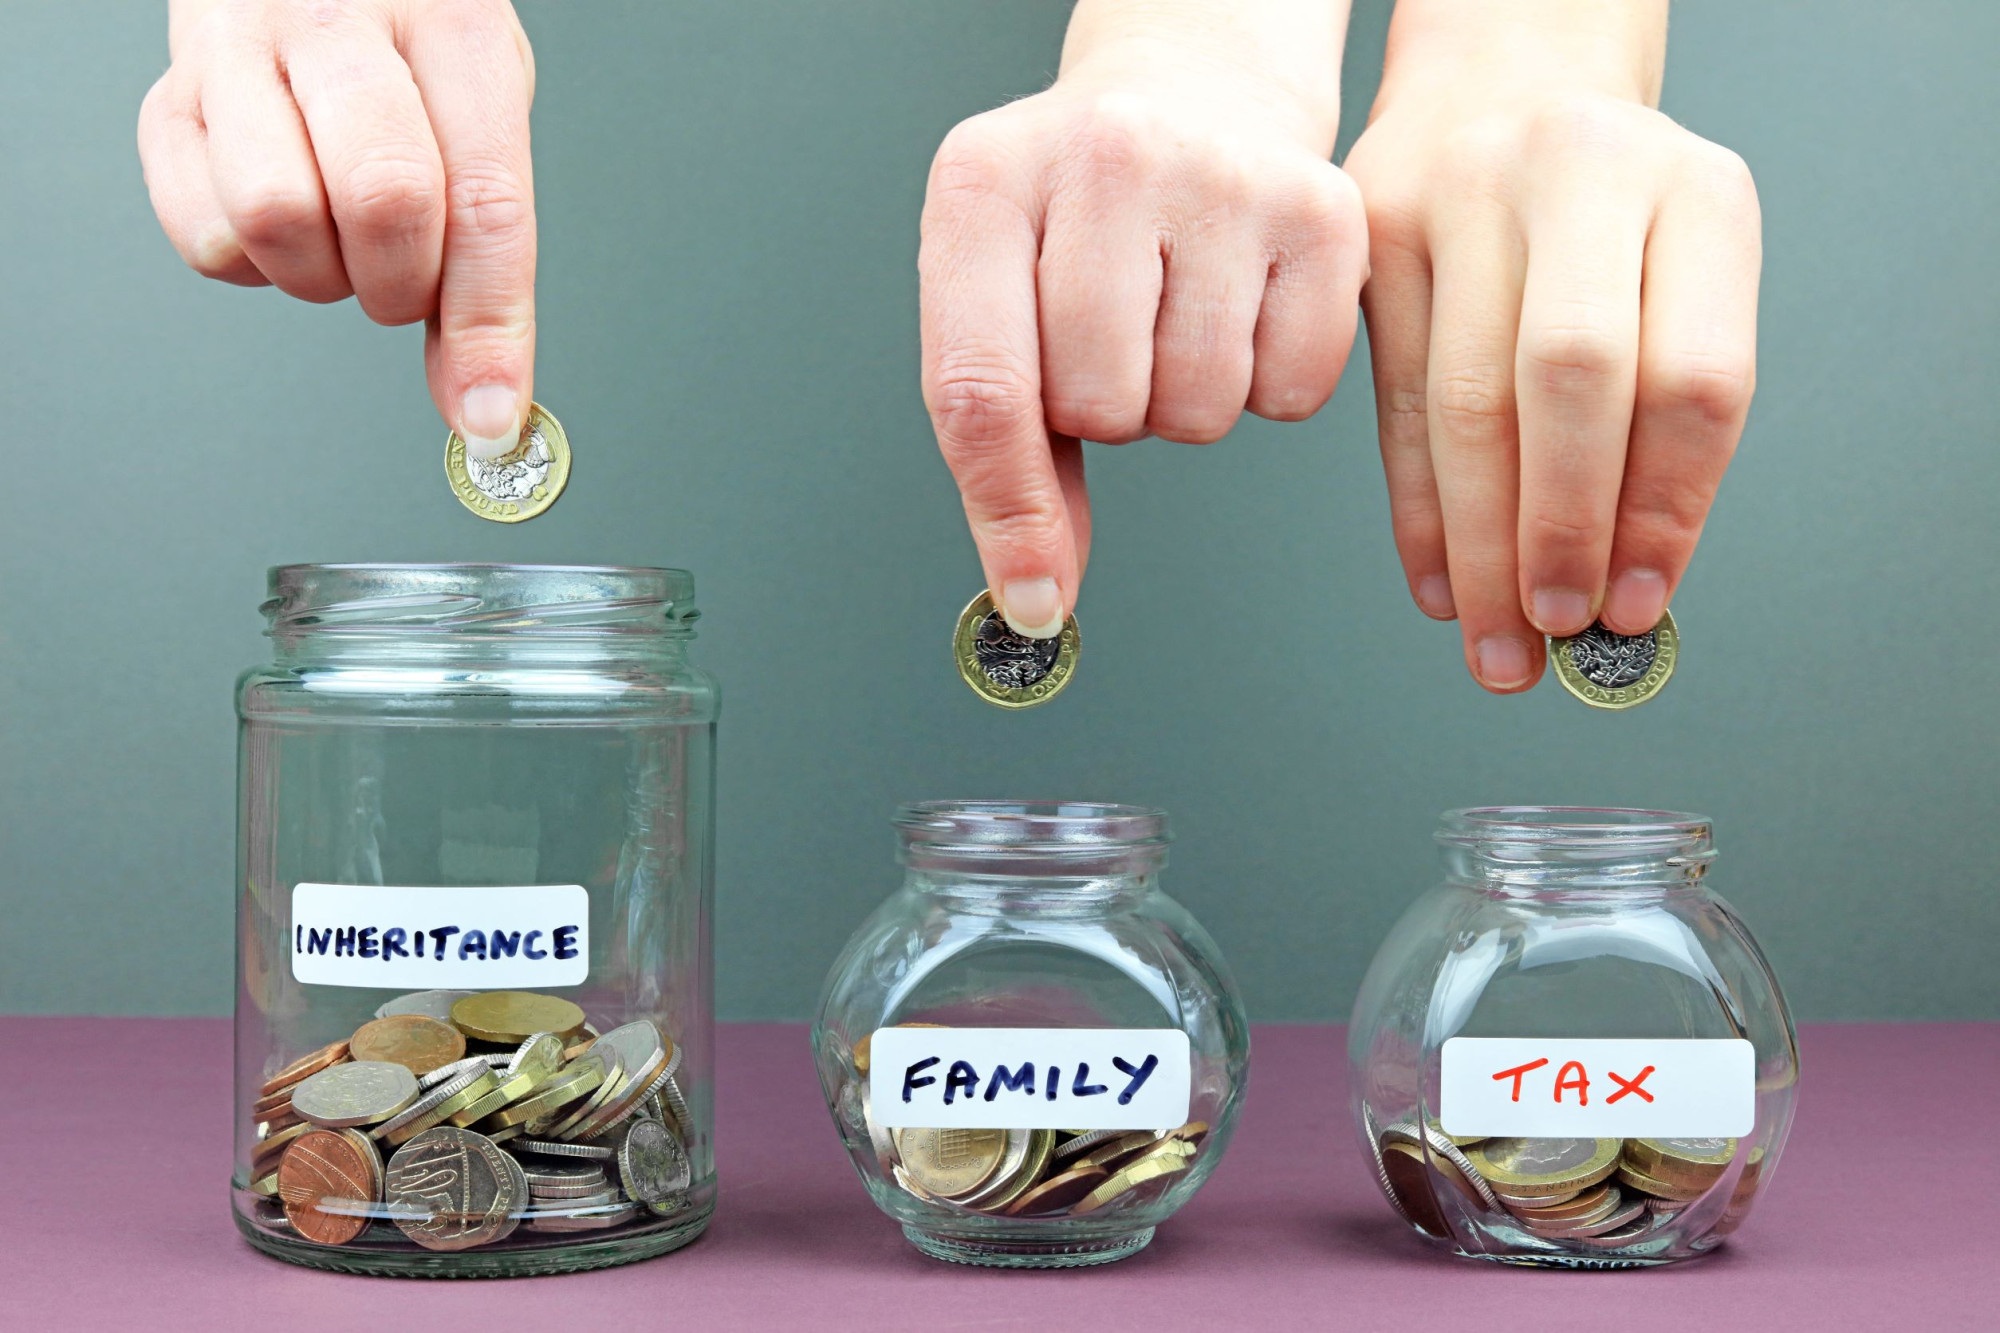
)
(473, 1006)
(1570, 1052)
(1032, 1053)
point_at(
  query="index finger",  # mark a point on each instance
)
(480, 350)
(983, 385)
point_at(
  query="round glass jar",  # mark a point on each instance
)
(1032, 1053)
(1570, 1052)
(473, 1007)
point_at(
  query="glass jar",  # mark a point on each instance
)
(1032, 1053)
(473, 1007)
(1571, 1052)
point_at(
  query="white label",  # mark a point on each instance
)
(1029, 1078)
(1536, 1087)
(429, 939)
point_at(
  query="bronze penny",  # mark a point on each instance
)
(304, 1065)
(264, 1154)
(415, 1041)
(1058, 1193)
(322, 1167)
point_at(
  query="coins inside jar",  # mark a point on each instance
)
(1617, 671)
(517, 485)
(1031, 1173)
(460, 1170)
(1010, 670)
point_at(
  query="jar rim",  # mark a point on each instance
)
(480, 596)
(1579, 843)
(1028, 838)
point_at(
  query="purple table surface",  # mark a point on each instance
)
(116, 1156)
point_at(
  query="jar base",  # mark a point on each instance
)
(1584, 1261)
(568, 1257)
(1028, 1254)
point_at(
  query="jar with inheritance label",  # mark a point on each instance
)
(473, 1011)
(1571, 1052)
(1033, 1055)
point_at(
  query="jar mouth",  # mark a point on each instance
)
(375, 598)
(1604, 845)
(1057, 838)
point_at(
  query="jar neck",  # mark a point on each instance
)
(1575, 853)
(1039, 896)
(1031, 855)
(479, 617)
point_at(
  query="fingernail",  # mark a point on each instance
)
(1434, 596)
(1560, 610)
(1638, 599)
(489, 421)
(1033, 608)
(1504, 662)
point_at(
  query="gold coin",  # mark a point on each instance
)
(516, 486)
(1532, 1168)
(270, 1146)
(1608, 670)
(564, 1087)
(1661, 1189)
(1108, 1153)
(512, 1016)
(1165, 1159)
(1011, 1183)
(511, 1089)
(1006, 669)
(1684, 1162)
(1059, 1193)
(438, 1114)
(951, 1162)
(415, 1041)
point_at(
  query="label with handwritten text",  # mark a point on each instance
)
(516, 938)
(1029, 1078)
(1539, 1087)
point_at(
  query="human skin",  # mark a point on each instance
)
(372, 148)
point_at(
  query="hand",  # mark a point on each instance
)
(377, 149)
(1562, 315)
(1149, 247)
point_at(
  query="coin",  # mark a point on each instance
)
(880, 1138)
(512, 1016)
(1596, 1198)
(540, 1054)
(1527, 1168)
(415, 1041)
(547, 1148)
(1448, 1161)
(1412, 1188)
(303, 1066)
(1058, 1193)
(1162, 1161)
(646, 1060)
(360, 1092)
(515, 486)
(557, 1182)
(1085, 1141)
(651, 1165)
(328, 1181)
(1684, 1162)
(508, 1090)
(265, 1187)
(1639, 1180)
(271, 1145)
(1608, 670)
(453, 1094)
(1027, 1157)
(1123, 1144)
(951, 1162)
(565, 1086)
(562, 1122)
(430, 1003)
(452, 1189)
(1006, 669)
(1628, 1212)
(445, 1073)
(592, 1219)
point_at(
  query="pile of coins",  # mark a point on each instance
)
(1594, 1194)
(496, 1109)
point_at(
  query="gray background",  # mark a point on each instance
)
(729, 198)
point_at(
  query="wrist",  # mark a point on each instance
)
(1524, 48)
(1279, 58)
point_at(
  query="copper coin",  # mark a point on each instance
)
(325, 1168)
(304, 1065)
(1410, 1184)
(267, 1148)
(1057, 1193)
(414, 1041)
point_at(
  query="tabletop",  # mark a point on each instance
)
(116, 1152)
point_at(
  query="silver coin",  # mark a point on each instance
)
(642, 1055)
(1085, 1142)
(568, 1118)
(1013, 1157)
(676, 1101)
(452, 1189)
(430, 1003)
(651, 1163)
(360, 1092)
(886, 1152)
(434, 1097)
(444, 1073)
(544, 1050)
(594, 1219)
(547, 1148)
(558, 1177)
(1440, 1145)
(1633, 1211)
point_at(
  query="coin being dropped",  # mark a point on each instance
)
(1007, 669)
(360, 1092)
(1615, 671)
(515, 486)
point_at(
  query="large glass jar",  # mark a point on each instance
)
(1571, 1052)
(1033, 1054)
(473, 1008)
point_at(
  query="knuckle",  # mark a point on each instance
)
(215, 251)
(1111, 140)
(1190, 425)
(1105, 421)
(1713, 390)
(1724, 174)
(971, 163)
(274, 214)
(1574, 355)
(1477, 153)
(1561, 530)
(387, 197)
(1014, 522)
(488, 201)
(979, 403)
(1474, 407)
(1580, 124)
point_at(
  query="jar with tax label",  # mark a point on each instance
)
(1570, 1052)
(1033, 1055)
(473, 1011)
